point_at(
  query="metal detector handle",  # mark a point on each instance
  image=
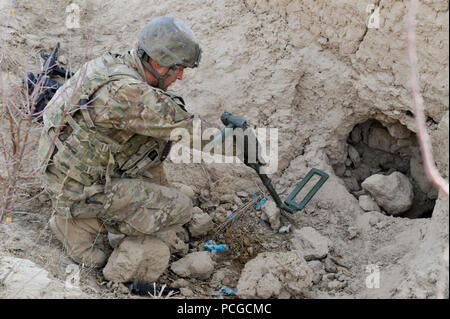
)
(298, 206)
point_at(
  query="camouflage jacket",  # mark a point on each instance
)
(120, 132)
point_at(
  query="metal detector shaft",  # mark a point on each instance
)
(267, 182)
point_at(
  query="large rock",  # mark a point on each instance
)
(310, 243)
(141, 259)
(393, 192)
(197, 265)
(201, 223)
(270, 275)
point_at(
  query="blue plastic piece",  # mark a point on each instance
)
(227, 290)
(261, 202)
(231, 216)
(211, 245)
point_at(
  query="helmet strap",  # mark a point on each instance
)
(161, 78)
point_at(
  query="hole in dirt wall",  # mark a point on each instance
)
(384, 170)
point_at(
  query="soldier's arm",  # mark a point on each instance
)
(147, 111)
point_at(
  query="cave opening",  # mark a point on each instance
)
(384, 170)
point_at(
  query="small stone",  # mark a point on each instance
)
(285, 229)
(354, 156)
(180, 283)
(114, 239)
(336, 285)
(351, 183)
(271, 214)
(200, 224)
(197, 265)
(355, 135)
(318, 270)
(330, 266)
(368, 204)
(226, 198)
(339, 169)
(352, 232)
(186, 292)
(242, 194)
(62, 59)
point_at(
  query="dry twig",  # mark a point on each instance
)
(422, 134)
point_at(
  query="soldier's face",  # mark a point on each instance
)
(176, 75)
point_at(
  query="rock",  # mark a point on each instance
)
(197, 265)
(336, 285)
(355, 135)
(268, 286)
(226, 198)
(398, 131)
(271, 214)
(285, 229)
(352, 232)
(354, 156)
(221, 277)
(114, 239)
(23, 279)
(185, 189)
(368, 204)
(175, 237)
(242, 194)
(201, 223)
(141, 259)
(180, 283)
(348, 162)
(379, 138)
(351, 183)
(339, 169)
(310, 243)
(330, 266)
(394, 192)
(62, 59)
(270, 274)
(186, 292)
(317, 269)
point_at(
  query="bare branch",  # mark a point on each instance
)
(424, 139)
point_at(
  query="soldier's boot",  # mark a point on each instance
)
(79, 237)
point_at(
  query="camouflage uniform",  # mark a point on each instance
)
(106, 161)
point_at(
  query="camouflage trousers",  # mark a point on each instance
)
(133, 207)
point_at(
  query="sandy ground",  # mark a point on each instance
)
(312, 69)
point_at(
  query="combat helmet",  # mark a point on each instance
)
(170, 43)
